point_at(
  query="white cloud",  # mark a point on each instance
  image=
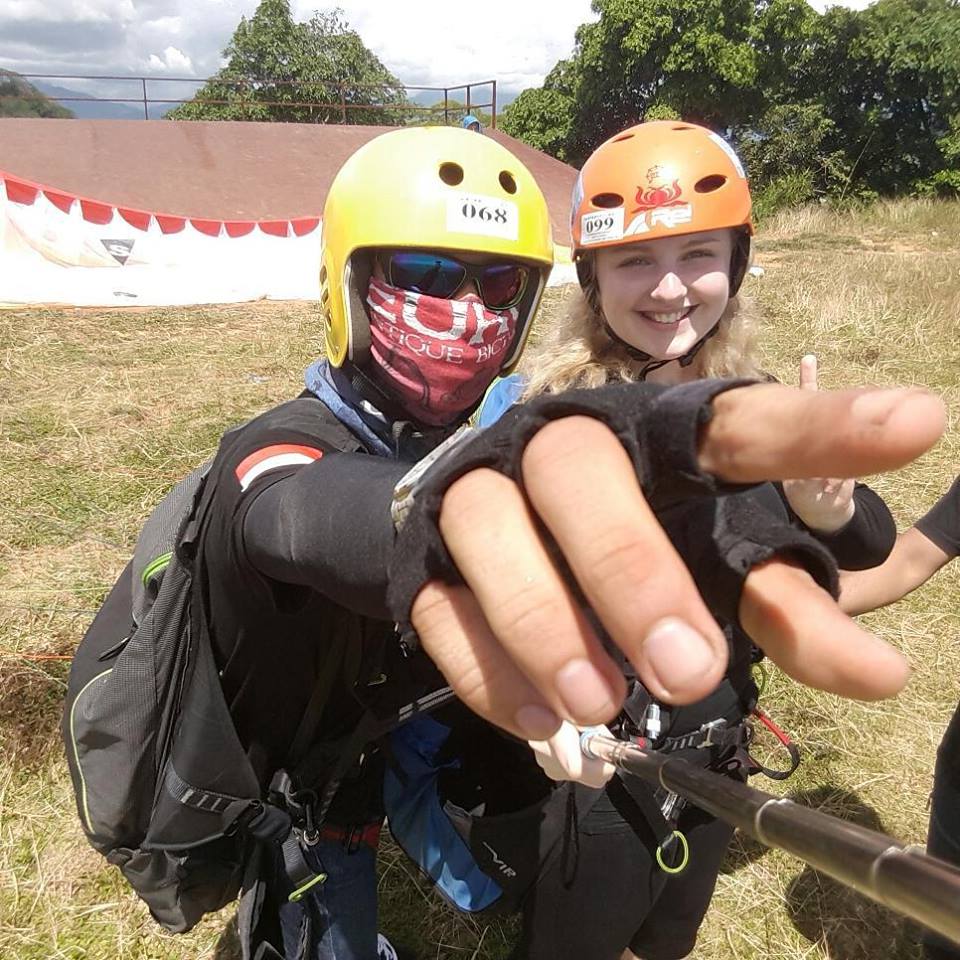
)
(70, 11)
(174, 60)
(420, 41)
(165, 25)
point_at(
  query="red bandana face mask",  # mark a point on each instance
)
(436, 356)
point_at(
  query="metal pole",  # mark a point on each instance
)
(903, 878)
(446, 116)
(493, 115)
(146, 114)
(469, 88)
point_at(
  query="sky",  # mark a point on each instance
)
(422, 42)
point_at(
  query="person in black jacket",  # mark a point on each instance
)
(931, 543)
(436, 250)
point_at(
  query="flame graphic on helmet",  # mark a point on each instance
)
(664, 189)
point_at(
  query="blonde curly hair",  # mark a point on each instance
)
(578, 352)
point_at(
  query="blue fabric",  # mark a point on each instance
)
(468, 119)
(343, 910)
(500, 397)
(318, 379)
(420, 826)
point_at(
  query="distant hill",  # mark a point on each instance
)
(89, 109)
(20, 98)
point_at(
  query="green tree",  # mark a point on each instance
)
(888, 77)
(313, 72)
(543, 118)
(693, 57)
(451, 114)
(845, 104)
(19, 98)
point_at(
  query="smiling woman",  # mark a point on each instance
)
(662, 237)
(662, 234)
(665, 296)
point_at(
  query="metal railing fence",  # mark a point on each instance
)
(340, 104)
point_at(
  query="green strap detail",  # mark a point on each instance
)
(762, 685)
(686, 853)
(300, 892)
(85, 813)
(155, 566)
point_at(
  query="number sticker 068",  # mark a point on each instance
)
(476, 213)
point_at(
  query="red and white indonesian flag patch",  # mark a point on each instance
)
(270, 458)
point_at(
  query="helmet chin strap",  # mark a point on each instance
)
(650, 364)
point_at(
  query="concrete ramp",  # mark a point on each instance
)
(152, 213)
(224, 170)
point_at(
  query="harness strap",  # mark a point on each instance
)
(301, 874)
(716, 733)
(198, 799)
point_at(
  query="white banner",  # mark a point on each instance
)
(60, 249)
(55, 248)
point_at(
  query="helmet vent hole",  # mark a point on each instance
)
(622, 137)
(451, 174)
(708, 184)
(507, 181)
(684, 128)
(607, 200)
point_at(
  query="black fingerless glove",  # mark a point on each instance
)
(659, 427)
(721, 539)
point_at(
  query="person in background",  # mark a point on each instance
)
(931, 543)
(470, 122)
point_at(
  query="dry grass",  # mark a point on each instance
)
(100, 411)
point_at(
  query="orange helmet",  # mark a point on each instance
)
(662, 179)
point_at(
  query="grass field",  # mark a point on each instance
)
(101, 411)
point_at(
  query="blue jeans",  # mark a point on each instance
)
(340, 914)
(943, 840)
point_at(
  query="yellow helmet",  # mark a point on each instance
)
(426, 188)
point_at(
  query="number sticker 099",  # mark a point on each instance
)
(601, 225)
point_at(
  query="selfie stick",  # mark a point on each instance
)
(901, 877)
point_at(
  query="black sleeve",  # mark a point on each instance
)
(327, 527)
(941, 524)
(866, 541)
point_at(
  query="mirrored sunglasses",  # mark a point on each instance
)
(501, 285)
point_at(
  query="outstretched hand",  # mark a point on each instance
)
(515, 641)
(822, 503)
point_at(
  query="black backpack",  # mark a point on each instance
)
(145, 663)
(163, 786)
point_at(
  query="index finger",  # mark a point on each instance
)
(773, 432)
(808, 372)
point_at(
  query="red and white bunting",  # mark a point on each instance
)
(19, 190)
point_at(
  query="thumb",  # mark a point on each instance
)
(808, 372)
